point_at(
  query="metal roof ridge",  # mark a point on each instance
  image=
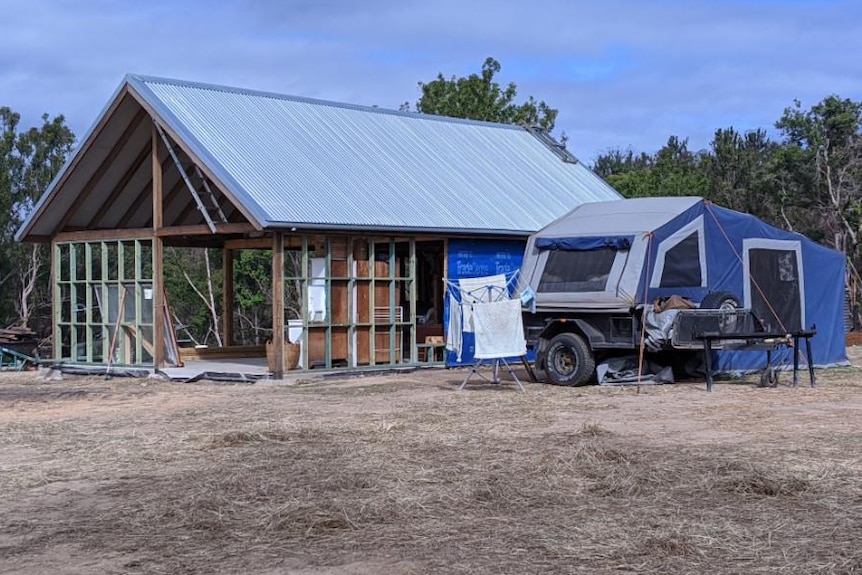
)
(144, 79)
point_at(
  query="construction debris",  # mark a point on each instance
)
(18, 348)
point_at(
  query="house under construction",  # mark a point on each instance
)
(364, 210)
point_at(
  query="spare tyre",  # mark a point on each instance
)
(722, 300)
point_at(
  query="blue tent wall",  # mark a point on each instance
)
(478, 258)
(725, 230)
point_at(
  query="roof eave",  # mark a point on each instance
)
(24, 231)
(404, 230)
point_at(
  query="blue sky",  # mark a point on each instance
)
(623, 73)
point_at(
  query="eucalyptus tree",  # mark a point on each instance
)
(29, 160)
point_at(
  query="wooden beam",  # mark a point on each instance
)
(172, 194)
(121, 185)
(40, 239)
(227, 295)
(96, 235)
(57, 345)
(158, 252)
(249, 244)
(203, 230)
(176, 192)
(84, 194)
(235, 352)
(278, 304)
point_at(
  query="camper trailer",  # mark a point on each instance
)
(596, 274)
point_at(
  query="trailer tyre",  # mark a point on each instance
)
(722, 300)
(569, 360)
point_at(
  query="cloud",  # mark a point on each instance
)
(623, 74)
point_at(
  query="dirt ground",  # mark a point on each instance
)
(403, 474)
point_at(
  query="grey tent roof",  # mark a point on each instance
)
(297, 162)
(619, 217)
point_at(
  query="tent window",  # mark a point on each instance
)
(682, 264)
(577, 271)
(776, 297)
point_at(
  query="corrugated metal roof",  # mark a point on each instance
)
(301, 162)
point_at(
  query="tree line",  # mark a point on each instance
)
(808, 179)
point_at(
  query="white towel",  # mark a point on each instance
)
(454, 340)
(499, 330)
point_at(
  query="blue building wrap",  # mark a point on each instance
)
(477, 258)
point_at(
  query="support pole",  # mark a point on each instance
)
(227, 296)
(158, 271)
(278, 304)
(56, 316)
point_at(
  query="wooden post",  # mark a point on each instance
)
(158, 272)
(278, 304)
(227, 296)
(55, 301)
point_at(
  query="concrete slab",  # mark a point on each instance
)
(241, 369)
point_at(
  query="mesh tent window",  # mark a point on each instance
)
(577, 271)
(682, 265)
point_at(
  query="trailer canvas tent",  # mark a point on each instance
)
(617, 255)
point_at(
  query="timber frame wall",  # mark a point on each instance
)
(103, 294)
(349, 301)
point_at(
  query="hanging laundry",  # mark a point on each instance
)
(454, 339)
(499, 330)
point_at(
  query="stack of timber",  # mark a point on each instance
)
(19, 339)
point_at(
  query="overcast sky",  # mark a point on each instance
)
(623, 73)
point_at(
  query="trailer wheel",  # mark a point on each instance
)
(769, 377)
(569, 360)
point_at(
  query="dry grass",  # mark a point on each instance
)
(405, 475)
